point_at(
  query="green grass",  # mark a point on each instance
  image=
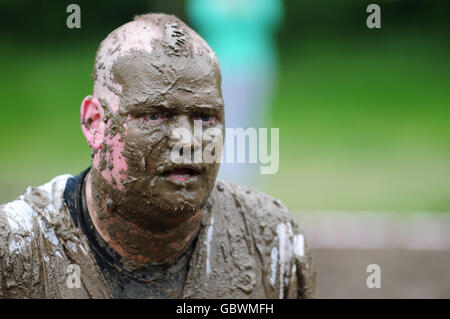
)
(363, 124)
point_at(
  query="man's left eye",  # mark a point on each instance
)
(156, 117)
(206, 119)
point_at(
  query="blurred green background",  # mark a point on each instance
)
(363, 113)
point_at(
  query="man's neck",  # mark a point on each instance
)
(137, 244)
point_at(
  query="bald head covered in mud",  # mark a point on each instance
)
(151, 75)
(137, 223)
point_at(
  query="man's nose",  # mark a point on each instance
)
(183, 132)
(184, 122)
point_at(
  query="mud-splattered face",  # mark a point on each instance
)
(136, 176)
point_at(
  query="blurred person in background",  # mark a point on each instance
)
(241, 32)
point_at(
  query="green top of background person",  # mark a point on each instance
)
(241, 32)
(137, 224)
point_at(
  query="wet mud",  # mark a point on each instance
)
(253, 250)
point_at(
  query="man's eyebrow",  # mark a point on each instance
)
(147, 106)
(206, 107)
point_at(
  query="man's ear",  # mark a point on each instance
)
(92, 123)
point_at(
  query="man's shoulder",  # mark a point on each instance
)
(21, 216)
(262, 207)
(20, 211)
(279, 239)
(38, 241)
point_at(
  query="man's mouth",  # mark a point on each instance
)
(182, 174)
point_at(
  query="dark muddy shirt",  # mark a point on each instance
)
(125, 281)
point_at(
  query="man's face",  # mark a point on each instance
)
(159, 93)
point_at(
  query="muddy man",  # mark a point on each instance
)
(136, 224)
